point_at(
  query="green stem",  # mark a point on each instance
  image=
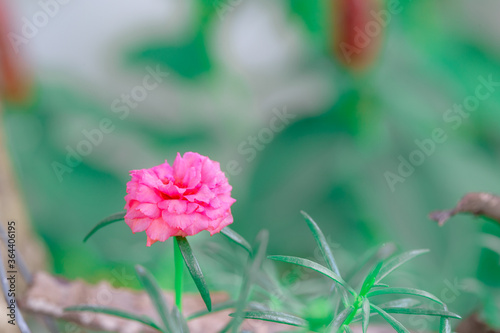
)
(179, 272)
(350, 317)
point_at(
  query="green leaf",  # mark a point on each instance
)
(380, 285)
(347, 329)
(400, 303)
(322, 243)
(236, 238)
(314, 266)
(215, 308)
(275, 317)
(115, 312)
(325, 251)
(393, 263)
(252, 269)
(369, 259)
(445, 326)
(365, 314)
(335, 326)
(370, 279)
(155, 294)
(194, 270)
(405, 291)
(390, 319)
(107, 221)
(422, 312)
(180, 320)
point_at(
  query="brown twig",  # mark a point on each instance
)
(477, 203)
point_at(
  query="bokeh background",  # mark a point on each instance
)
(264, 88)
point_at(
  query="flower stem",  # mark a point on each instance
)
(179, 271)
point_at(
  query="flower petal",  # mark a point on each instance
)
(158, 230)
(184, 199)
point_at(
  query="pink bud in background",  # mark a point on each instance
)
(359, 28)
(190, 196)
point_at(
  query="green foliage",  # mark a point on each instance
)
(105, 222)
(357, 305)
(156, 296)
(365, 314)
(194, 269)
(360, 305)
(314, 266)
(404, 291)
(319, 313)
(172, 321)
(329, 160)
(276, 317)
(215, 308)
(236, 238)
(117, 313)
(252, 270)
(395, 262)
(444, 325)
(391, 320)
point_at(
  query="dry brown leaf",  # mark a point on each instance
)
(479, 204)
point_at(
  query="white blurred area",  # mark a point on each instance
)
(259, 55)
(80, 35)
(254, 42)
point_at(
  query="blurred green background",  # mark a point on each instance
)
(232, 66)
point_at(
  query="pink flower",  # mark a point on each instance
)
(179, 200)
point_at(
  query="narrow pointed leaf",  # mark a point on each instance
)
(380, 285)
(275, 317)
(195, 270)
(323, 245)
(326, 251)
(236, 238)
(115, 312)
(369, 259)
(339, 321)
(107, 221)
(365, 314)
(215, 308)
(253, 267)
(370, 279)
(155, 294)
(395, 262)
(180, 320)
(422, 312)
(405, 291)
(347, 329)
(400, 303)
(314, 266)
(390, 319)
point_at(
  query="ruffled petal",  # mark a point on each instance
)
(158, 230)
(138, 225)
(174, 206)
(203, 195)
(149, 209)
(184, 199)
